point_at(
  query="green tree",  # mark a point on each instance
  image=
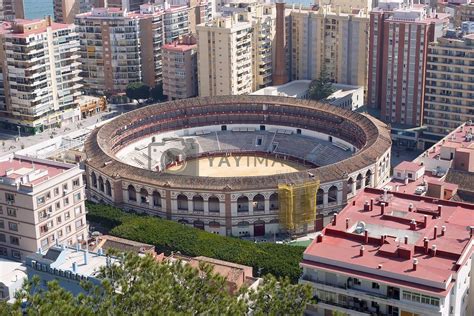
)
(141, 286)
(137, 90)
(156, 93)
(321, 88)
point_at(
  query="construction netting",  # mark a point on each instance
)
(297, 205)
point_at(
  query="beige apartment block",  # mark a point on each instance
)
(236, 50)
(449, 93)
(41, 204)
(120, 47)
(225, 57)
(324, 38)
(11, 9)
(65, 10)
(180, 69)
(39, 76)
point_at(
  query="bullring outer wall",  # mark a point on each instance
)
(217, 199)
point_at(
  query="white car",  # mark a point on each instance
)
(420, 190)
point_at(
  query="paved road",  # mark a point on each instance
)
(9, 141)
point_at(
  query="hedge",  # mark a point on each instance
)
(277, 259)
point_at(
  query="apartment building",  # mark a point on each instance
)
(128, 5)
(324, 39)
(390, 253)
(225, 57)
(39, 76)
(180, 69)
(41, 203)
(242, 40)
(65, 10)
(175, 21)
(399, 38)
(449, 99)
(119, 47)
(11, 9)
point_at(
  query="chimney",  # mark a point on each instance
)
(425, 221)
(413, 224)
(425, 245)
(382, 240)
(319, 238)
(439, 210)
(410, 207)
(406, 240)
(353, 202)
(380, 267)
(74, 267)
(280, 75)
(86, 255)
(433, 250)
(382, 208)
(334, 220)
(415, 263)
(443, 230)
(366, 206)
(48, 20)
(366, 236)
(361, 251)
(435, 232)
(371, 205)
(347, 223)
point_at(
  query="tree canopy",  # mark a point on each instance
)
(156, 93)
(167, 236)
(320, 88)
(141, 286)
(137, 90)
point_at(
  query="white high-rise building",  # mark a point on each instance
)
(39, 76)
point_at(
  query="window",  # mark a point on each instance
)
(65, 187)
(78, 210)
(58, 205)
(3, 251)
(419, 298)
(44, 243)
(16, 254)
(68, 229)
(79, 223)
(77, 197)
(66, 201)
(59, 220)
(67, 215)
(356, 281)
(13, 226)
(40, 200)
(76, 183)
(56, 191)
(375, 285)
(14, 240)
(60, 233)
(2, 224)
(11, 212)
(3, 238)
(10, 198)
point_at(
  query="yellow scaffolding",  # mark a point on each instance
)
(297, 205)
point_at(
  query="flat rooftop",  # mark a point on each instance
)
(395, 239)
(16, 170)
(461, 137)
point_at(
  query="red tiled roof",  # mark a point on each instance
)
(341, 247)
